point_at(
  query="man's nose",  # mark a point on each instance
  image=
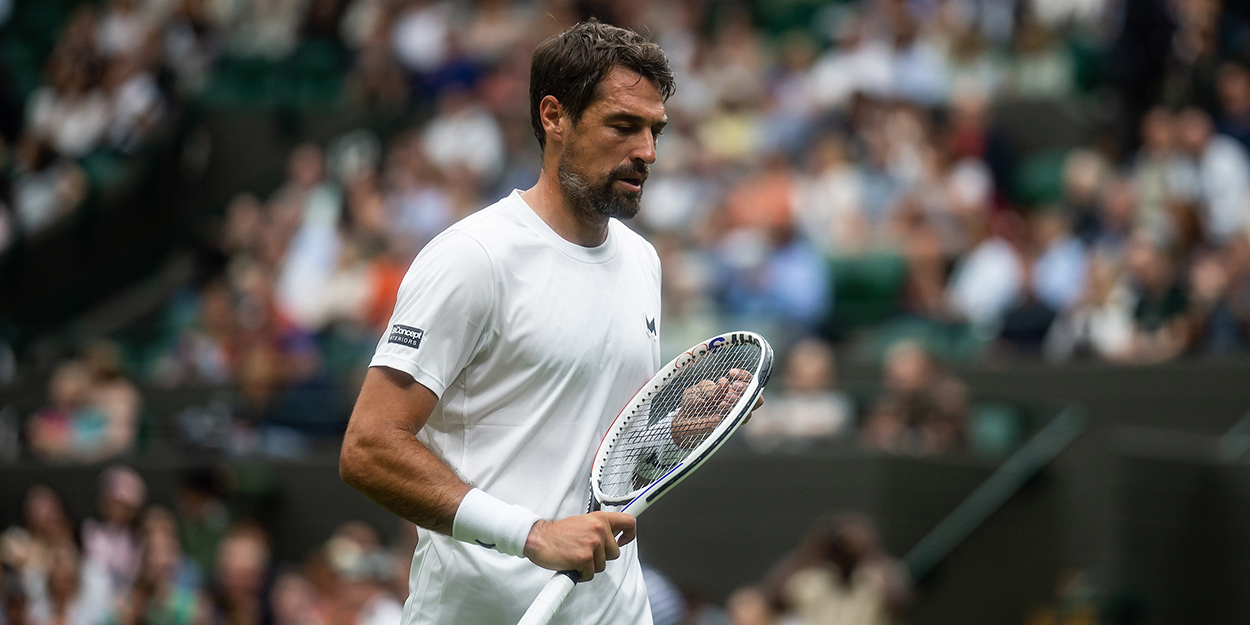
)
(645, 151)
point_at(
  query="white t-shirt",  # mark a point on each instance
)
(533, 345)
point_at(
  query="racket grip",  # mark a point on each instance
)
(549, 600)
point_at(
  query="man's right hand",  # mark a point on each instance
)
(580, 543)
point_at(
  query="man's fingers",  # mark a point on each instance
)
(740, 375)
(624, 524)
(601, 559)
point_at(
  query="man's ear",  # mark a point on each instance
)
(551, 114)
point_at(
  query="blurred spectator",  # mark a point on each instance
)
(811, 408)
(94, 413)
(1160, 330)
(1101, 323)
(113, 540)
(464, 136)
(203, 518)
(292, 601)
(1233, 84)
(1160, 174)
(158, 596)
(1042, 67)
(136, 103)
(27, 549)
(987, 282)
(921, 410)
(74, 592)
(123, 28)
(363, 569)
(421, 35)
(1217, 314)
(1059, 271)
(70, 428)
(839, 574)
(266, 29)
(46, 187)
(1222, 176)
(241, 577)
(827, 205)
(72, 114)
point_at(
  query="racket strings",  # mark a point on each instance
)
(664, 429)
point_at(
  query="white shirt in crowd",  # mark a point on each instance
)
(533, 345)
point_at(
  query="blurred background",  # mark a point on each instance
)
(1002, 247)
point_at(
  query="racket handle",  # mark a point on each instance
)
(550, 599)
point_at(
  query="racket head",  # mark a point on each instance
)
(665, 432)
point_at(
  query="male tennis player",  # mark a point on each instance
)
(518, 335)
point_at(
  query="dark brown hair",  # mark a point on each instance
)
(570, 66)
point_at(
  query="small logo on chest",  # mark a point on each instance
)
(651, 326)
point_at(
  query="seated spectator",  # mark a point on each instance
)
(291, 601)
(116, 396)
(46, 186)
(1160, 329)
(203, 518)
(921, 409)
(1222, 173)
(1217, 320)
(74, 592)
(71, 113)
(1233, 84)
(1101, 323)
(157, 595)
(989, 280)
(810, 408)
(123, 29)
(1043, 67)
(1059, 271)
(113, 539)
(94, 412)
(135, 101)
(840, 575)
(363, 568)
(71, 428)
(827, 204)
(27, 548)
(239, 581)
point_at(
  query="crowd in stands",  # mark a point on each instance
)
(137, 561)
(197, 561)
(99, 100)
(839, 574)
(798, 156)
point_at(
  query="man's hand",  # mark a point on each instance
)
(705, 404)
(580, 543)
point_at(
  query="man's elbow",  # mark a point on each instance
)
(352, 461)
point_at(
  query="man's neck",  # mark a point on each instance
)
(571, 224)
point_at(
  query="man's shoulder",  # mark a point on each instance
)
(488, 222)
(630, 239)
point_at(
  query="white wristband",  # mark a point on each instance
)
(486, 521)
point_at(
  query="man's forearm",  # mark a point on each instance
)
(402, 475)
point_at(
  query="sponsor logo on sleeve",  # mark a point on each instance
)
(407, 336)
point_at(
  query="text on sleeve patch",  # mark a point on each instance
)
(407, 336)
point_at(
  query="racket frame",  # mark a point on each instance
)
(637, 501)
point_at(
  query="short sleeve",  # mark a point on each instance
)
(444, 304)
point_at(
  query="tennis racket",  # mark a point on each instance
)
(671, 427)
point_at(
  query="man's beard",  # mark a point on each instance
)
(602, 199)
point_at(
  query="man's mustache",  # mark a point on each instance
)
(639, 170)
